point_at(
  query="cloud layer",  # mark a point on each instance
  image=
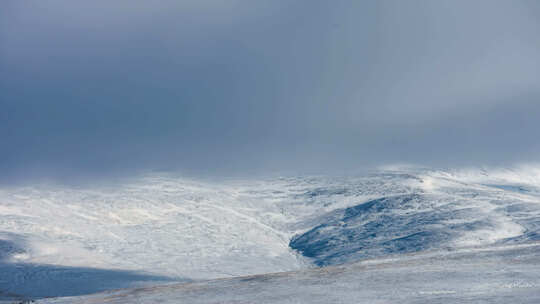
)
(241, 87)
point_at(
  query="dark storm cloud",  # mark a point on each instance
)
(227, 87)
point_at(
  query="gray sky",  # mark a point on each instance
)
(92, 88)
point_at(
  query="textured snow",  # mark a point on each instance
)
(507, 274)
(58, 240)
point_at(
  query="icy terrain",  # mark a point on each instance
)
(509, 274)
(441, 226)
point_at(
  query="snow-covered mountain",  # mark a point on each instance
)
(58, 241)
(492, 274)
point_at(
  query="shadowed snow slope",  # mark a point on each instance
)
(509, 274)
(161, 228)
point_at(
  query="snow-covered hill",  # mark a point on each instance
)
(58, 241)
(500, 274)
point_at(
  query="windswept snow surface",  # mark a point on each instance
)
(58, 241)
(507, 274)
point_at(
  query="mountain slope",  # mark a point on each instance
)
(58, 240)
(509, 274)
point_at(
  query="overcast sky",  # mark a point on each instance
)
(92, 88)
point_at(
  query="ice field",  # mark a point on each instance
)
(400, 233)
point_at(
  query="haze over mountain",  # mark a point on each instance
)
(248, 87)
(243, 151)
